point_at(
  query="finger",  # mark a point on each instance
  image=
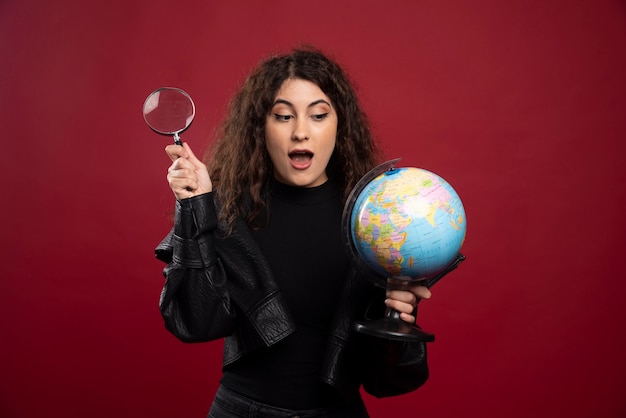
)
(181, 174)
(403, 296)
(411, 319)
(400, 306)
(191, 156)
(181, 168)
(405, 310)
(178, 173)
(181, 164)
(176, 152)
(420, 290)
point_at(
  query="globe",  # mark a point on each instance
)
(407, 223)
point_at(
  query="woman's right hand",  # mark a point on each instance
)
(187, 176)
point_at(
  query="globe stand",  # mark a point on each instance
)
(391, 326)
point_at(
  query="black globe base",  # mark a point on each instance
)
(393, 328)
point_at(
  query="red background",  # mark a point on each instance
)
(519, 105)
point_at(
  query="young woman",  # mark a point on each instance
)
(255, 255)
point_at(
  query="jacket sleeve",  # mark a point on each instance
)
(195, 303)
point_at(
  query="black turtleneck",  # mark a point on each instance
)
(302, 243)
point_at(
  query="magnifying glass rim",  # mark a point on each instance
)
(179, 90)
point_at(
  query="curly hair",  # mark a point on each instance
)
(238, 162)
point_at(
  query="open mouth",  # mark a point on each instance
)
(301, 157)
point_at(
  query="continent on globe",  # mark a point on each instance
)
(409, 223)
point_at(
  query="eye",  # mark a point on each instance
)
(319, 117)
(282, 118)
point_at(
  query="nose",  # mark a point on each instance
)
(300, 131)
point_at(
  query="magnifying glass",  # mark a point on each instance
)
(169, 111)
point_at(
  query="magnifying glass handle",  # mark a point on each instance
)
(177, 140)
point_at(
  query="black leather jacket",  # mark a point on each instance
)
(221, 286)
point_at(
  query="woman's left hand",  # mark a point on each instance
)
(405, 300)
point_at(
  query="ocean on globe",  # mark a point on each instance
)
(408, 223)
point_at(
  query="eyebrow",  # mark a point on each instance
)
(288, 103)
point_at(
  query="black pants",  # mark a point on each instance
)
(230, 404)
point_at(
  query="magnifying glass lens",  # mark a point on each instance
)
(169, 111)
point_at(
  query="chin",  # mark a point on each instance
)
(302, 179)
(299, 182)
